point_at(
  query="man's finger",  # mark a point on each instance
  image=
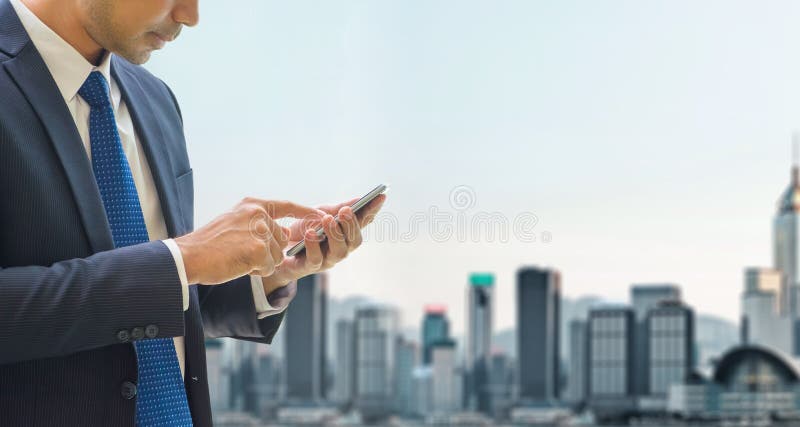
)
(279, 235)
(337, 246)
(334, 209)
(285, 208)
(367, 213)
(276, 252)
(299, 227)
(350, 228)
(313, 252)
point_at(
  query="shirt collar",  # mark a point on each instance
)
(67, 66)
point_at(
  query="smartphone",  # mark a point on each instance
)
(360, 203)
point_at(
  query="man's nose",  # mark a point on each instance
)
(186, 12)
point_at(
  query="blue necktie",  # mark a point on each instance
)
(161, 394)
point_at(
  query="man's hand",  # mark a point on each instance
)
(319, 255)
(245, 240)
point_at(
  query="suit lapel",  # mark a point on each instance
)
(28, 70)
(33, 78)
(151, 135)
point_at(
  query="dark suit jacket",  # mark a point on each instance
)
(69, 301)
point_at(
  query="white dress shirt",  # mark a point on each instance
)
(70, 70)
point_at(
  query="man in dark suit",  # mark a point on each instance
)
(106, 289)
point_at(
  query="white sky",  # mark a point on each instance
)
(650, 138)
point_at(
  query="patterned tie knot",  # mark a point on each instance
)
(95, 91)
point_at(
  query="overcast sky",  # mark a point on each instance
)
(651, 139)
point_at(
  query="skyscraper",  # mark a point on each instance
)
(344, 380)
(501, 382)
(670, 332)
(239, 360)
(267, 381)
(786, 254)
(219, 384)
(765, 280)
(435, 327)
(305, 341)
(611, 365)
(578, 361)
(445, 379)
(405, 362)
(248, 378)
(480, 298)
(376, 333)
(422, 378)
(538, 337)
(644, 298)
(763, 322)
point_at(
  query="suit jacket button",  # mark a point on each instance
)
(128, 390)
(123, 335)
(151, 331)
(137, 333)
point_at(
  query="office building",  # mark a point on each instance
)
(268, 369)
(611, 365)
(446, 398)
(645, 297)
(376, 333)
(501, 383)
(480, 300)
(670, 331)
(239, 360)
(344, 377)
(422, 379)
(538, 334)
(305, 332)
(219, 385)
(786, 233)
(763, 322)
(578, 362)
(766, 280)
(406, 360)
(435, 328)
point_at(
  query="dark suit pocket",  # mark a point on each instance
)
(186, 197)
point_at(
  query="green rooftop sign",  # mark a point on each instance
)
(481, 279)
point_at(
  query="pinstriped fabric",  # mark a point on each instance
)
(162, 396)
(64, 293)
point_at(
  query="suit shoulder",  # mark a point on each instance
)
(141, 74)
(150, 83)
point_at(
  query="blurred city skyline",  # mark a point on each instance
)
(652, 141)
(341, 359)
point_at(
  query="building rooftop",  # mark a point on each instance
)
(785, 369)
(435, 309)
(481, 279)
(790, 199)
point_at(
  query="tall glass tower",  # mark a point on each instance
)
(785, 227)
(376, 339)
(306, 329)
(786, 233)
(538, 334)
(480, 299)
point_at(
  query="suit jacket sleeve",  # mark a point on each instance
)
(83, 303)
(229, 311)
